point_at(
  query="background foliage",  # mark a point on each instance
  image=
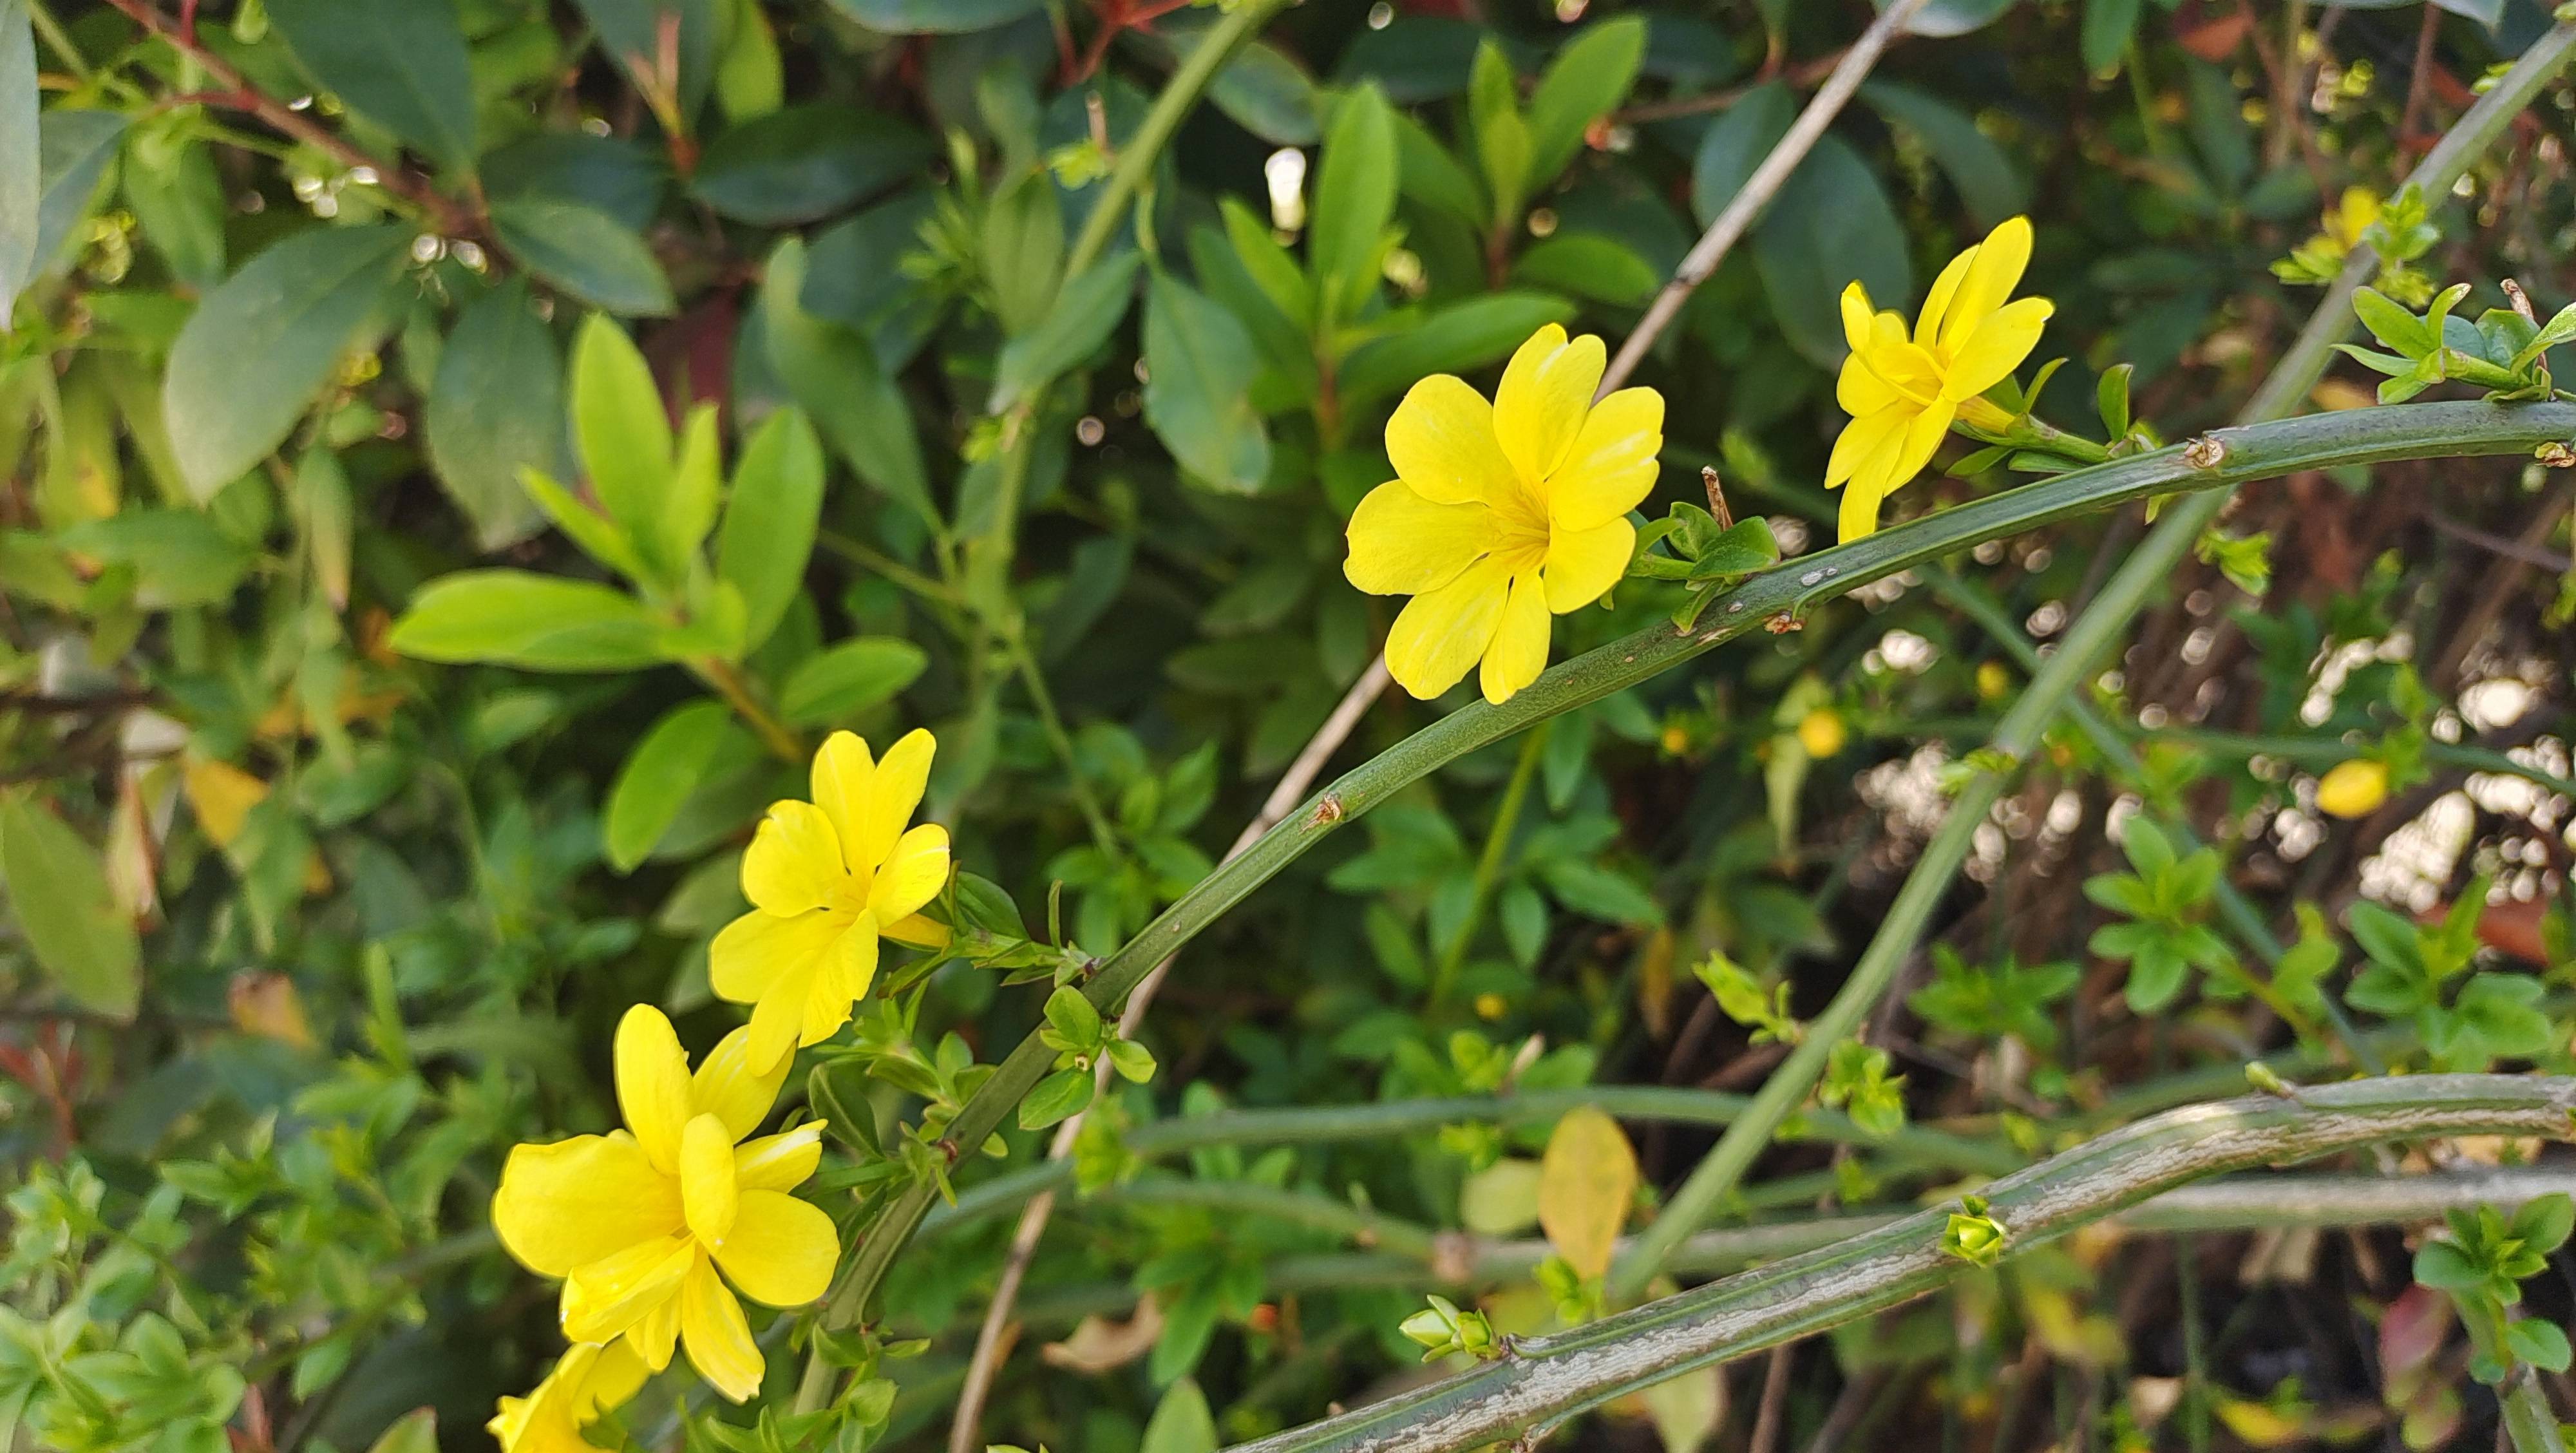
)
(397, 658)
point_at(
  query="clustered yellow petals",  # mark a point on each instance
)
(586, 1383)
(827, 879)
(639, 1221)
(2353, 789)
(1904, 391)
(1503, 514)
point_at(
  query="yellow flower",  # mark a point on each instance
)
(1501, 514)
(1992, 679)
(2353, 789)
(2354, 211)
(826, 879)
(1903, 392)
(587, 1381)
(638, 1220)
(1822, 732)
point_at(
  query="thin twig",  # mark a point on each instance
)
(1738, 214)
(235, 92)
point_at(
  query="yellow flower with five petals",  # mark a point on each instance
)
(638, 1221)
(826, 880)
(587, 1381)
(1503, 514)
(1903, 392)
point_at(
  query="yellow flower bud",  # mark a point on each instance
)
(2353, 789)
(1490, 1006)
(1992, 680)
(1822, 732)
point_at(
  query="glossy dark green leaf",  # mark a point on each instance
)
(1199, 367)
(535, 622)
(613, 174)
(260, 348)
(496, 407)
(1954, 17)
(658, 776)
(1261, 89)
(1831, 224)
(803, 162)
(1588, 78)
(59, 895)
(1452, 339)
(399, 63)
(632, 31)
(831, 374)
(1988, 181)
(74, 147)
(584, 252)
(1086, 309)
(855, 276)
(836, 684)
(935, 17)
(21, 154)
(1354, 200)
(2109, 26)
(1735, 144)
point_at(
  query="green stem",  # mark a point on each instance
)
(1548, 1379)
(1489, 863)
(57, 39)
(878, 562)
(1015, 641)
(2528, 1419)
(1136, 160)
(727, 681)
(2086, 642)
(1784, 594)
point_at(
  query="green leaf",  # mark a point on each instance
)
(658, 777)
(1354, 201)
(2442, 1264)
(1086, 309)
(257, 351)
(535, 622)
(1735, 145)
(1953, 17)
(1073, 1017)
(834, 685)
(1588, 265)
(1431, 176)
(1022, 250)
(496, 407)
(1057, 1097)
(1453, 339)
(1597, 892)
(697, 485)
(621, 428)
(1989, 183)
(2543, 1224)
(2109, 26)
(833, 376)
(584, 252)
(1588, 78)
(21, 154)
(1501, 133)
(1199, 367)
(771, 519)
(1182, 1422)
(2539, 1343)
(1831, 223)
(74, 147)
(59, 894)
(2391, 324)
(802, 162)
(180, 556)
(935, 17)
(599, 537)
(400, 63)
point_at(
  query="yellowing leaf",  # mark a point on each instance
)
(2258, 1424)
(1500, 1199)
(1587, 1181)
(1686, 1409)
(222, 796)
(1099, 1345)
(267, 1005)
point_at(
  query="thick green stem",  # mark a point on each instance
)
(1136, 159)
(1548, 1379)
(2101, 626)
(1780, 596)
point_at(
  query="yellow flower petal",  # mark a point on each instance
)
(842, 767)
(610, 1295)
(656, 1334)
(1403, 544)
(1441, 633)
(779, 1162)
(1997, 348)
(893, 793)
(707, 1192)
(853, 961)
(782, 1250)
(717, 1337)
(779, 1017)
(1859, 516)
(1860, 391)
(1859, 319)
(1519, 649)
(1583, 564)
(1861, 438)
(1441, 441)
(1922, 437)
(725, 1087)
(564, 1205)
(1612, 463)
(794, 865)
(1539, 406)
(1992, 275)
(827, 1001)
(911, 875)
(917, 931)
(756, 950)
(1936, 304)
(652, 1084)
(616, 1374)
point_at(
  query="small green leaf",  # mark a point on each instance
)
(496, 407)
(833, 376)
(400, 63)
(1588, 78)
(1354, 200)
(584, 252)
(537, 622)
(1059, 1096)
(621, 427)
(1199, 368)
(658, 777)
(59, 894)
(802, 162)
(834, 685)
(771, 520)
(1182, 1422)
(1085, 311)
(935, 17)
